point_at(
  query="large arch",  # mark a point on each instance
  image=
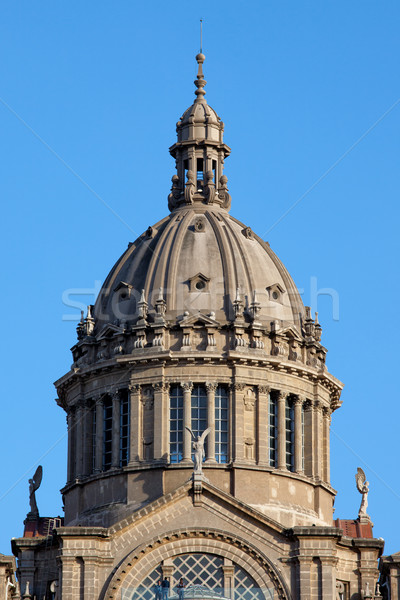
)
(142, 560)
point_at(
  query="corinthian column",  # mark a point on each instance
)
(79, 440)
(115, 429)
(211, 387)
(317, 439)
(71, 436)
(326, 437)
(134, 425)
(187, 420)
(282, 430)
(298, 435)
(99, 434)
(238, 420)
(262, 424)
(160, 426)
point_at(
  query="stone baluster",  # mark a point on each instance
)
(99, 434)
(262, 424)
(135, 424)
(282, 430)
(298, 435)
(187, 420)
(211, 388)
(160, 421)
(116, 408)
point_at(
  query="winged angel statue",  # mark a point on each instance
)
(363, 487)
(34, 485)
(198, 447)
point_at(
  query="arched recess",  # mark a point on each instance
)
(142, 560)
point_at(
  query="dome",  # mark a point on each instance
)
(204, 261)
(199, 330)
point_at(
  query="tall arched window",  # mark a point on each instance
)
(221, 424)
(176, 424)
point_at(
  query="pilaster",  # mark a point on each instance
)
(326, 421)
(99, 433)
(161, 421)
(115, 429)
(282, 430)
(238, 422)
(298, 434)
(262, 424)
(135, 434)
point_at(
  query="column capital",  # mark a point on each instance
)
(134, 388)
(264, 390)
(187, 386)
(317, 404)
(299, 400)
(326, 411)
(308, 404)
(211, 386)
(161, 386)
(283, 394)
(238, 386)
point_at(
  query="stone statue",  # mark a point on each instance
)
(198, 447)
(363, 487)
(34, 485)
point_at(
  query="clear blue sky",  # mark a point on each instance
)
(89, 96)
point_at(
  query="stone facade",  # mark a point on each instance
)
(197, 326)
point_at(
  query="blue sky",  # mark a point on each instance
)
(89, 97)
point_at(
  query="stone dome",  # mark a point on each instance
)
(198, 330)
(204, 261)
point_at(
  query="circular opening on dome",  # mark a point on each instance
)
(275, 295)
(200, 285)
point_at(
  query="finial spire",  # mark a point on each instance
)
(201, 36)
(200, 82)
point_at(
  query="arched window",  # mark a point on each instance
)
(176, 424)
(221, 424)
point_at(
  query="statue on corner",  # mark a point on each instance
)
(198, 447)
(363, 487)
(34, 485)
